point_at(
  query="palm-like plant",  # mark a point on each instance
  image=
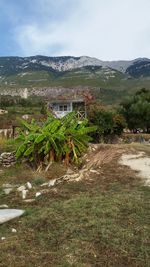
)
(56, 139)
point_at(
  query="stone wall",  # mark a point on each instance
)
(7, 159)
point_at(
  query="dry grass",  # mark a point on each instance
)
(102, 154)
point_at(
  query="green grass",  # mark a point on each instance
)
(99, 222)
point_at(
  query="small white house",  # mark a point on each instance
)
(60, 108)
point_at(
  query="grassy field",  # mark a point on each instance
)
(99, 221)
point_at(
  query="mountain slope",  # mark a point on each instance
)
(40, 74)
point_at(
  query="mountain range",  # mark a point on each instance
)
(115, 78)
(10, 65)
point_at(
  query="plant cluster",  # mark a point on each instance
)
(54, 140)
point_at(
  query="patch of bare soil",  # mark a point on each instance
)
(138, 162)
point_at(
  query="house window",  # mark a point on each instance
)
(55, 107)
(64, 107)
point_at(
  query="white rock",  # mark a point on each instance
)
(14, 230)
(38, 194)
(24, 194)
(52, 182)
(3, 238)
(29, 185)
(7, 190)
(9, 214)
(21, 188)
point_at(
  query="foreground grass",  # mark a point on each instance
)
(102, 221)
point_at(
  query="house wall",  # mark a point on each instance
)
(62, 109)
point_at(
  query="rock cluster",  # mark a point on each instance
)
(7, 159)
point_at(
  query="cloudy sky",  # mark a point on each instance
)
(106, 29)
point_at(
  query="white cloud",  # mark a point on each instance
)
(110, 29)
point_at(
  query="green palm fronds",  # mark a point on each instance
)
(56, 139)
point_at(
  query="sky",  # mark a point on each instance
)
(105, 29)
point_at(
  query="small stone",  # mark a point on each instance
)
(14, 230)
(29, 185)
(52, 182)
(7, 190)
(21, 188)
(38, 194)
(24, 193)
(3, 238)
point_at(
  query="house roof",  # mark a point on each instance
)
(66, 101)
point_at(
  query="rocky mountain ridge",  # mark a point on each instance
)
(12, 65)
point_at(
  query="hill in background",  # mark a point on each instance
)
(114, 80)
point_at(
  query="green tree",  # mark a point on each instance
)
(136, 111)
(108, 124)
